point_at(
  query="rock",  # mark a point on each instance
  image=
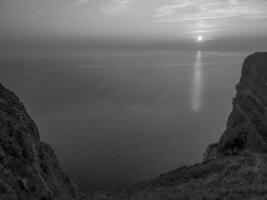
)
(210, 153)
(28, 167)
(247, 123)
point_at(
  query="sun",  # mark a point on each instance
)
(200, 38)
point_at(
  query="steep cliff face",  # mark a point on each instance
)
(28, 167)
(247, 124)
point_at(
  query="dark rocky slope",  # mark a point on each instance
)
(239, 171)
(247, 124)
(29, 169)
(239, 177)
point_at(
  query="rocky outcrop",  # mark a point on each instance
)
(29, 169)
(247, 124)
(210, 153)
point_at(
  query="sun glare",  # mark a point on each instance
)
(199, 38)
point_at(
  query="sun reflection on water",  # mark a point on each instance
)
(197, 84)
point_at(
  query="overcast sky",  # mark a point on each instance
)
(170, 20)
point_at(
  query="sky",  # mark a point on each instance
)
(162, 21)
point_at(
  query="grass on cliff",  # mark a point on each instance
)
(239, 177)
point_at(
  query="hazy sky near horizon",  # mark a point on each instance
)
(133, 19)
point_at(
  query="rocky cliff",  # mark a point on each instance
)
(247, 124)
(29, 169)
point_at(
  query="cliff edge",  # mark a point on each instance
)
(247, 123)
(29, 169)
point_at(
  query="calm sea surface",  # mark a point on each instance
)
(115, 118)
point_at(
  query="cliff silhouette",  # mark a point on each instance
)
(29, 169)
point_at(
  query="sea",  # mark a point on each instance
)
(119, 117)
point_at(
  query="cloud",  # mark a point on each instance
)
(117, 7)
(78, 2)
(197, 32)
(194, 10)
(234, 2)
